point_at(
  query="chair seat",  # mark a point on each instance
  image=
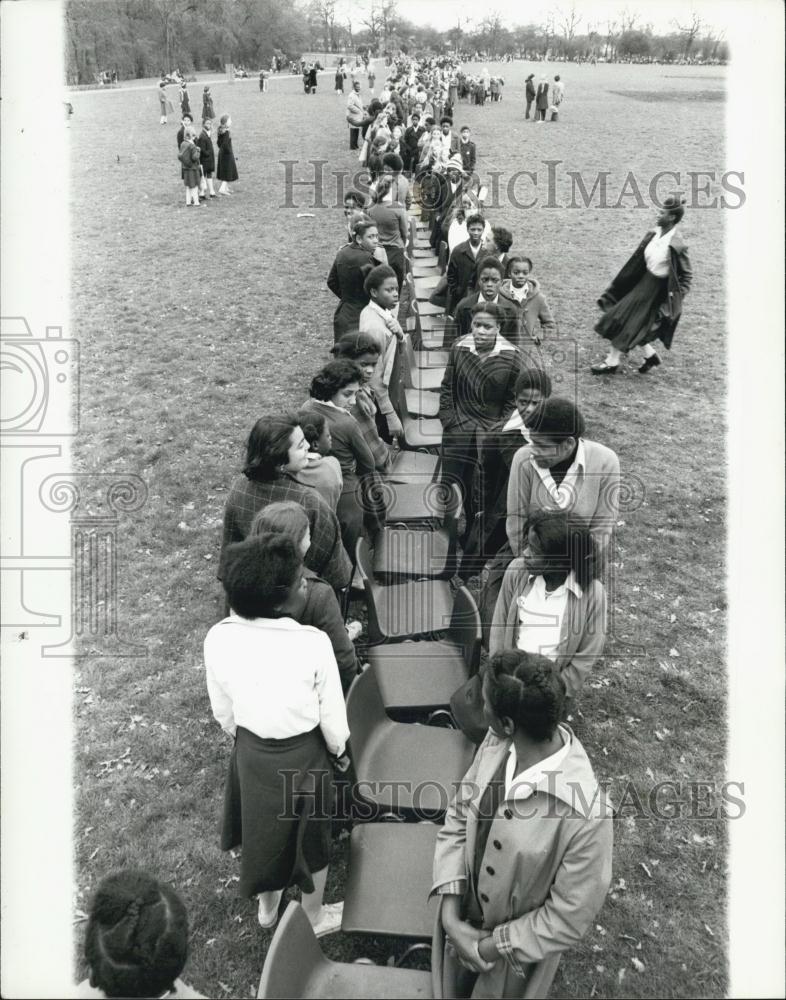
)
(435, 322)
(422, 242)
(430, 340)
(425, 269)
(419, 500)
(422, 675)
(422, 402)
(431, 760)
(391, 862)
(406, 552)
(422, 432)
(429, 309)
(412, 466)
(428, 282)
(423, 253)
(427, 379)
(432, 359)
(418, 607)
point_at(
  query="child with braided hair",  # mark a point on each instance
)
(136, 943)
(523, 861)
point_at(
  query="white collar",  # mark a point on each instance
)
(563, 495)
(523, 786)
(377, 308)
(570, 583)
(516, 423)
(666, 237)
(468, 343)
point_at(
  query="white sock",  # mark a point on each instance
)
(613, 357)
(649, 350)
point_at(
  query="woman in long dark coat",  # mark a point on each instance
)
(644, 302)
(348, 274)
(227, 169)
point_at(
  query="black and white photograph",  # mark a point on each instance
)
(392, 552)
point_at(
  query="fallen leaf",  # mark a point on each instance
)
(646, 869)
(637, 964)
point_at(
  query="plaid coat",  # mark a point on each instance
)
(326, 556)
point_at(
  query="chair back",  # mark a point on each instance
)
(396, 388)
(442, 260)
(408, 360)
(465, 628)
(365, 715)
(365, 567)
(293, 956)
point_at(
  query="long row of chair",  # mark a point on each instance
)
(424, 642)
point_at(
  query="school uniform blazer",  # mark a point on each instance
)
(468, 155)
(476, 393)
(595, 495)
(547, 864)
(462, 268)
(349, 447)
(509, 321)
(542, 97)
(680, 278)
(207, 156)
(583, 632)
(348, 274)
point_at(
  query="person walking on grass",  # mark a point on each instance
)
(274, 687)
(523, 860)
(185, 104)
(644, 302)
(207, 160)
(189, 158)
(530, 94)
(166, 105)
(208, 114)
(227, 169)
(557, 96)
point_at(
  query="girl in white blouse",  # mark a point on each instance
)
(274, 687)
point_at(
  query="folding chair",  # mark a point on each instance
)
(385, 857)
(407, 610)
(443, 256)
(423, 252)
(419, 433)
(412, 466)
(425, 269)
(423, 675)
(401, 551)
(295, 966)
(419, 379)
(443, 969)
(425, 286)
(403, 768)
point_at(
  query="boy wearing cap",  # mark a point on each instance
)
(467, 151)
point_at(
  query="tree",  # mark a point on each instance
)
(628, 20)
(568, 21)
(612, 33)
(689, 32)
(324, 11)
(634, 43)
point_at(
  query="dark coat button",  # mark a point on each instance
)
(498, 845)
(508, 814)
(490, 870)
(484, 897)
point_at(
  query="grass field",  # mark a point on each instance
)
(193, 323)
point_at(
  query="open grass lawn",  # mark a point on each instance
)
(193, 322)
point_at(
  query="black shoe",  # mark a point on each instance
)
(651, 362)
(604, 369)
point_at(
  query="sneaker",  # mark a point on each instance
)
(268, 918)
(330, 922)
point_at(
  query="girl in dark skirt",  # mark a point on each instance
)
(274, 686)
(227, 169)
(644, 302)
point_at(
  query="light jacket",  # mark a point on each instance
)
(532, 311)
(583, 632)
(547, 864)
(355, 112)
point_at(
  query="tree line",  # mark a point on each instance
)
(142, 38)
